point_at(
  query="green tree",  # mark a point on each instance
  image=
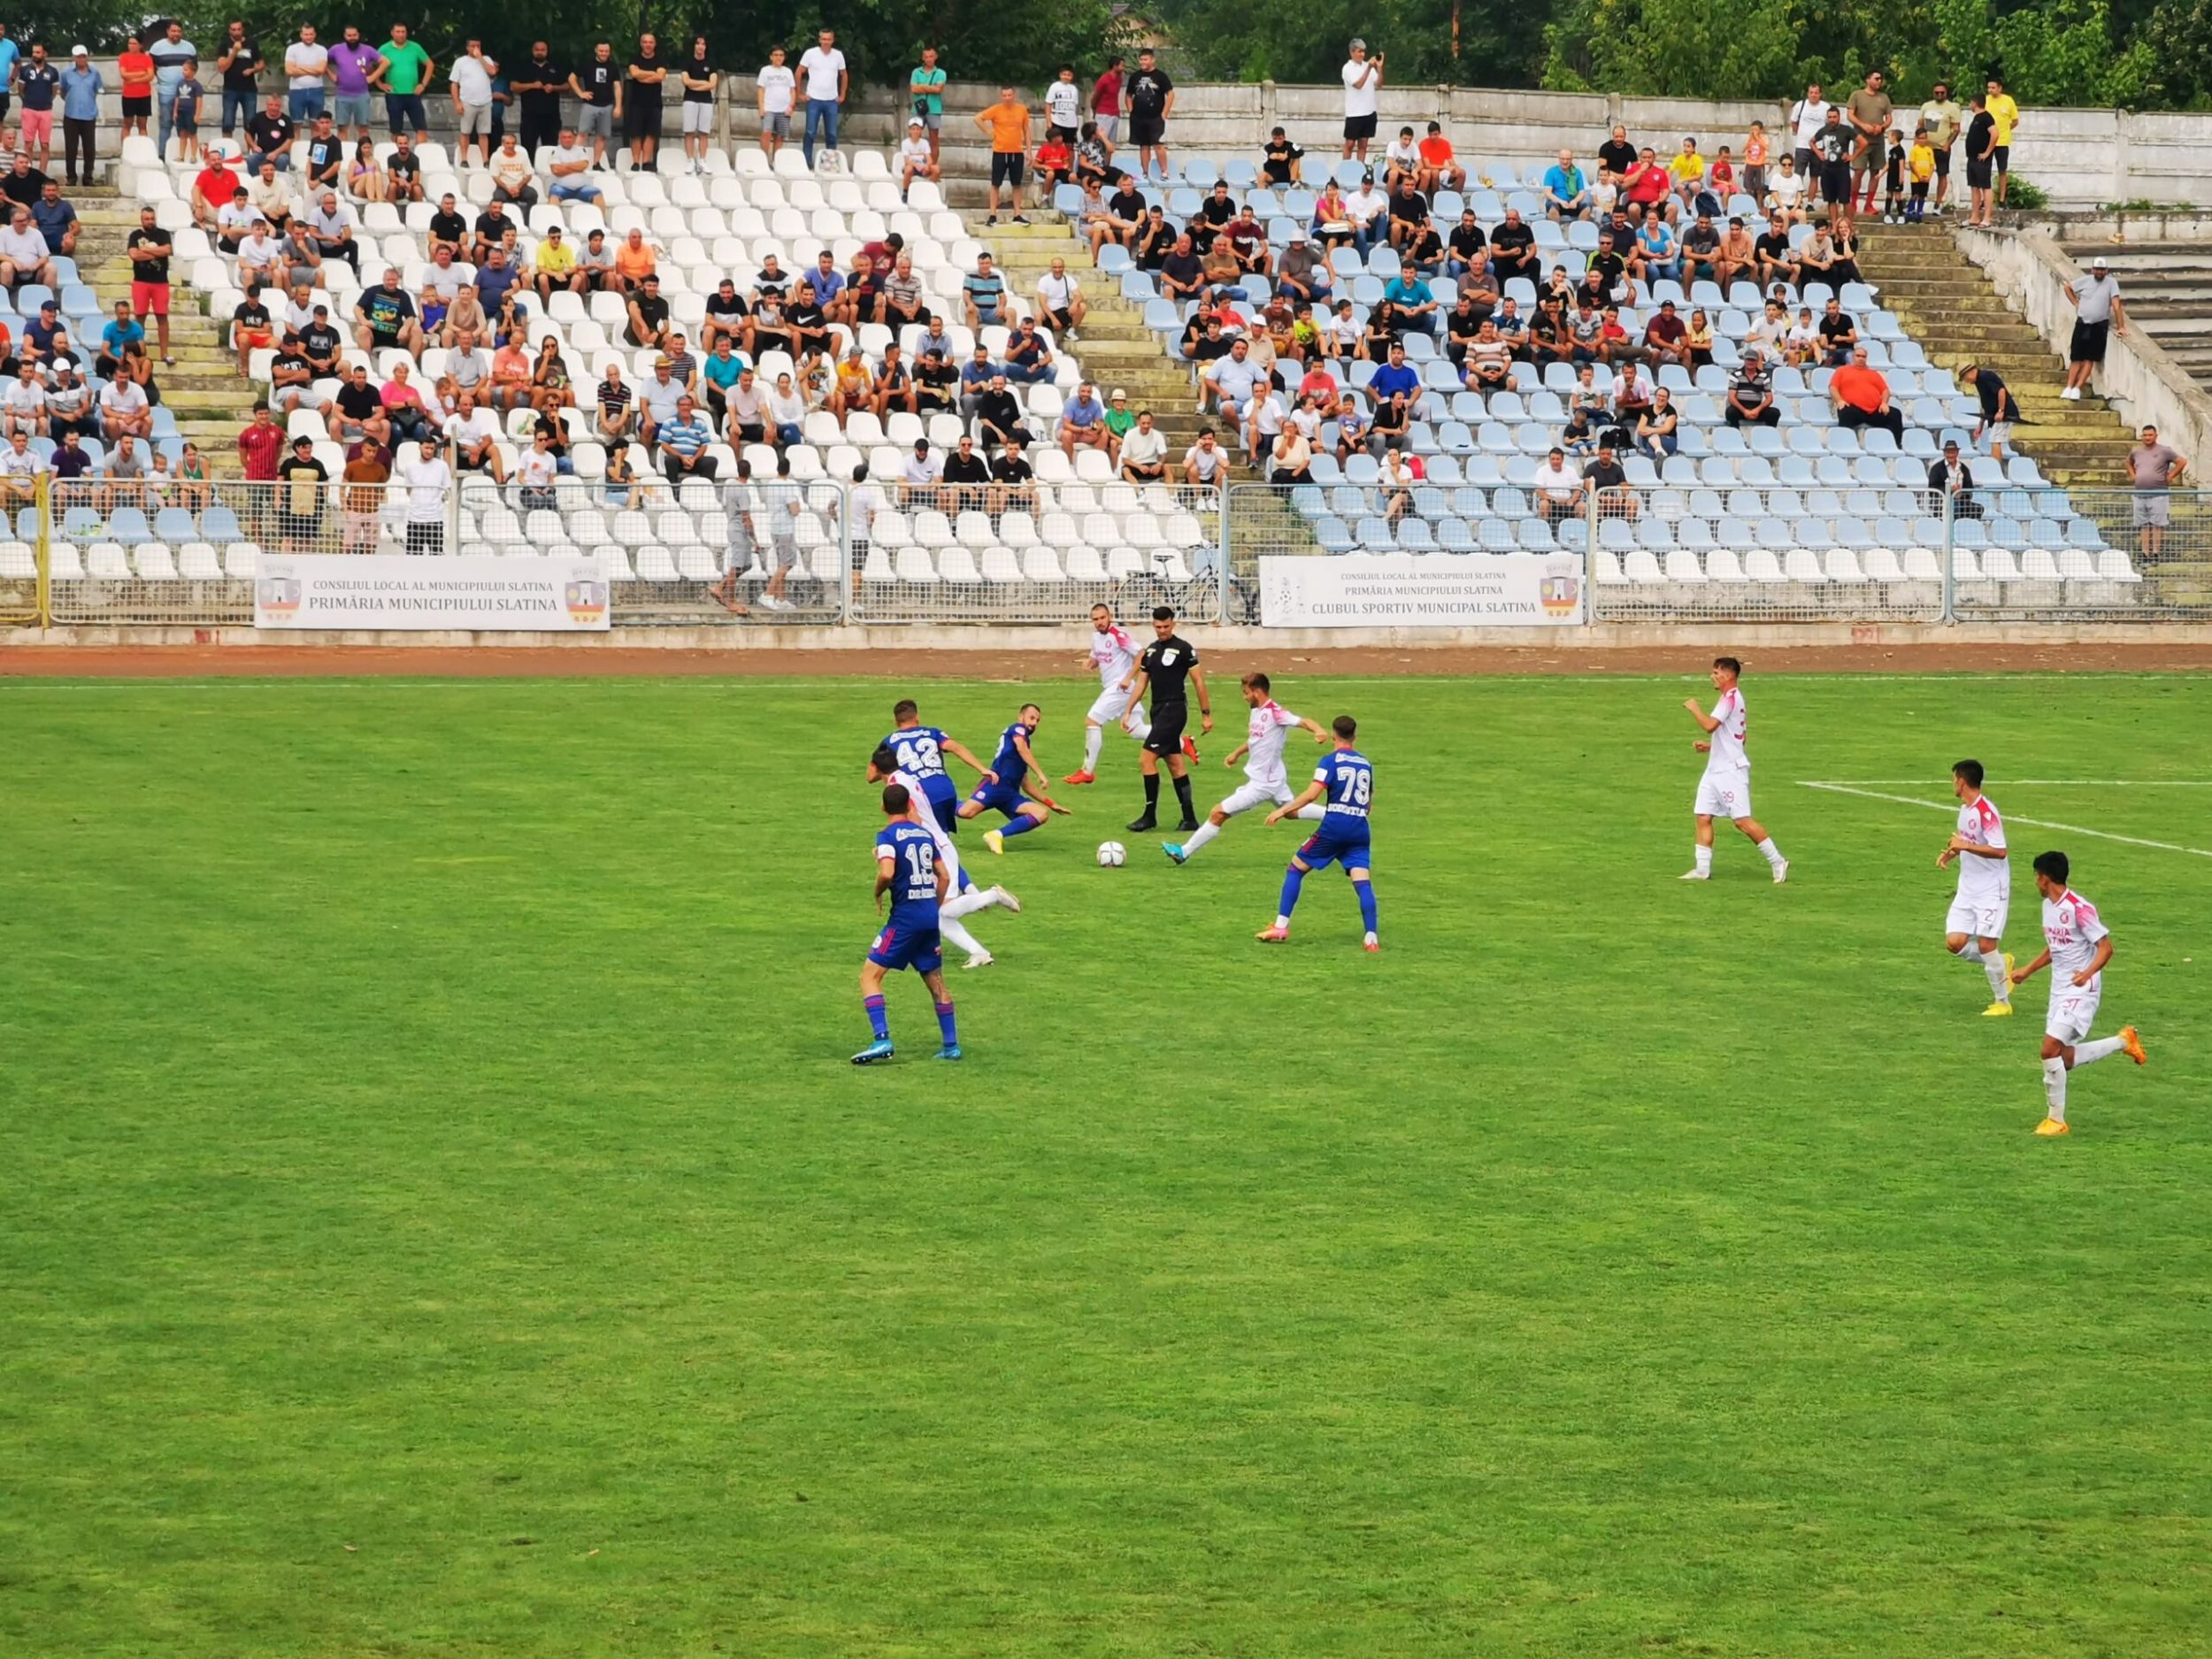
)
(1672, 47)
(2177, 41)
(1497, 45)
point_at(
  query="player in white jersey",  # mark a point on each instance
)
(961, 896)
(1724, 791)
(1265, 783)
(2077, 946)
(1114, 653)
(1975, 924)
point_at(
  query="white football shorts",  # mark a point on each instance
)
(1110, 706)
(2073, 1010)
(1249, 795)
(1980, 921)
(1725, 794)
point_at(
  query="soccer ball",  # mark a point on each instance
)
(1112, 855)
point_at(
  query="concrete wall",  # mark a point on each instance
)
(2147, 387)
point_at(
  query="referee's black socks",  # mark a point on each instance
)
(1151, 792)
(1182, 796)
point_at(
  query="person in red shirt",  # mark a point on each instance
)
(1860, 395)
(1646, 187)
(213, 189)
(1106, 101)
(134, 66)
(260, 444)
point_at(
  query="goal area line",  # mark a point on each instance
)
(1839, 788)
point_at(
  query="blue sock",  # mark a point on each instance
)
(1021, 823)
(877, 1018)
(1294, 878)
(946, 1027)
(1366, 891)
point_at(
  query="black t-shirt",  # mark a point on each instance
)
(599, 82)
(325, 152)
(1467, 241)
(1166, 663)
(1126, 204)
(1146, 92)
(293, 469)
(151, 269)
(1775, 245)
(1617, 153)
(1280, 152)
(245, 65)
(289, 361)
(1011, 469)
(1838, 327)
(1992, 391)
(698, 71)
(1408, 204)
(549, 101)
(22, 188)
(1510, 242)
(999, 410)
(358, 403)
(651, 309)
(1832, 144)
(448, 227)
(966, 469)
(1700, 240)
(250, 314)
(1206, 347)
(1465, 323)
(270, 133)
(805, 312)
(1426, 248)
(1605, 474)
(1607, 267)
(1180, 268)
(408, 166)
(1153, 245)
(647, 92)
(491, 226)
(1978, 132)
(319, 339)
(1217, 211)
(732, 306)
(936, 371)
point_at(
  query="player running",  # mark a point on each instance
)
(1348, 779)
(1114, 653)
(1264, 777)
(2077, 946)
(1163, 666)
(921, 750)
(962, 896)
(1976, 921)
(1006, 787)
(907, 869)
(1725, 788)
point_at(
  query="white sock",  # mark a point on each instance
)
(1199, 836)
(1971, 951)
(1093, 736)
(1316, 811)
(1705, 861)
(965, 903)
(956, 934)
(2054, 1088)
(1283, 922)
(1773, 853)
(2000, 982)
(1140, 728)
(2090, 1053)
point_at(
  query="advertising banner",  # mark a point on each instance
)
(1506, 590)
(468, 591)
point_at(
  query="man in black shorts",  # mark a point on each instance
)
(1832, 146)
(1162, 668)
(1150, 96)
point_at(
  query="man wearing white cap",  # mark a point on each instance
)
(2097, 312)
(917, 157)
(80, 89)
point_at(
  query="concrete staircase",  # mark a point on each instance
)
(1951, 308)
(2167, 288)
(204, 391)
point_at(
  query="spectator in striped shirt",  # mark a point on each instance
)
(682, 443)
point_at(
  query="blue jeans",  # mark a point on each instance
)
(165, 111)
(304, 104)
(237, 108)
(821, 112)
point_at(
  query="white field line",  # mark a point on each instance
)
(2029, 783)
(2010, 818)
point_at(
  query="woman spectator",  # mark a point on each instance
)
(1655, 431)
(786, 412)
(1093, 156)
(1381, 332)
(1395, 487)
(624, 489)
(1292, 457)
(551, 389)
(134, 66)
(1697, 341)
(193, 491)
(411, 417)
(1333, 225)
(1055, 164)
(365, 181)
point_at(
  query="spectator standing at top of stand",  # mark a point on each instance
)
(1362, 98)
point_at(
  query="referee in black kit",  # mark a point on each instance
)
(1163, 666)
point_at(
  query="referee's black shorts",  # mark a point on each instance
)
(1166, 736)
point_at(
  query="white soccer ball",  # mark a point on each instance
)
(1112, 855)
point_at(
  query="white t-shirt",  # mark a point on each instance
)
(1727, 738)
(1264, 759)
(1984, 881)
(2071, 928)
(1808, 118)
(567, 155)
(1402, 152)
(24, 463)
(25, 246)
(1361, 99)
(472, 80)
(537, 467)
(1112, 653)
(1234, 378)
(1057, 292)
(1565, 476)
(426, 483)
(1367, 203)
(822, 71)
(306, 63)
(1788, 188)
(123, 397)
(1144, 449)
(914, 149)
(776, 83)
(1063, 103)
(468, 431)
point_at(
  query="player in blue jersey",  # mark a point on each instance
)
(907, 869)
(1006, 787)
(963, 897)
(921, 750)
(1348, 780)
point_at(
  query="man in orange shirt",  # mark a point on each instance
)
(1439, 170)
(1860, 395)
(1008, 123)
(634, 259)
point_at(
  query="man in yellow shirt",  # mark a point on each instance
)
(2006, 113)
(554, 265)
(1008, 123)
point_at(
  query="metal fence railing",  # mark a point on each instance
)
(776, 550)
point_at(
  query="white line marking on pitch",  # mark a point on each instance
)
(2086, 783)
(2041, 823)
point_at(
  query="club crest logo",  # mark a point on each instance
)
(278, 596)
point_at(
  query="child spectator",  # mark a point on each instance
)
(1755, 162)
(1894, 183)
(1920, 164)
(185, 112)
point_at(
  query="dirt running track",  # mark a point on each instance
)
(451, 663)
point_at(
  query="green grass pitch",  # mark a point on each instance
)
(437, 1217)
